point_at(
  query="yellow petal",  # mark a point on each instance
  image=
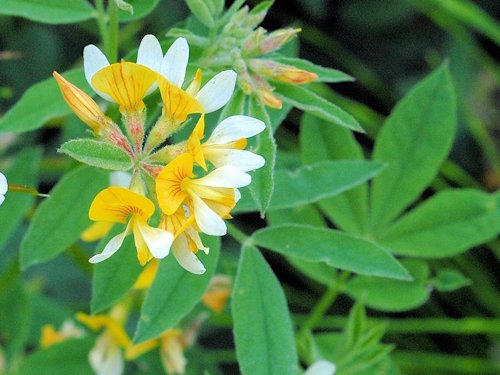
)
(194, 87)
(126, 83)
(93, 322)
(177, 103)
(81, 104)
(50, 336)
(194, 143)
(147, 275)
(115, 204)
(169, 183)
(96, 231)
(135, 351)
(143, 253)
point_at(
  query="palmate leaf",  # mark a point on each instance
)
(263, 331)
(314, 182)
(174, 293)
(414, 141)
(338, 249)
(446, 224)
(40, 103)
(64, 215)
(49, 11)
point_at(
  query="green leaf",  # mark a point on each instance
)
(393, 295)
(319, 142)
(49, 11)
(40, 103)
(324, 74)
(333, 247)
(202, 12)
(113, 278)
(64, 216)
(262, 186)
(174, 293)
(312, 103)
(449, 280)
(446, 224)
(314, 182)
(263, 331)
(356, 325)
(98, 154)
(414, 141)
(141, 9)
(67, 357)
(23, 172)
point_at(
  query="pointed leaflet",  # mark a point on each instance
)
(336, 248)
(64, 216)
(262, 186)
(314, 104)
(113, 278)
(263, 331)
(40, 103)
(319, 141)
(446, 224)
(174, 293)
(414, 141)
(23, 171)
(314, 182)
(98, 154)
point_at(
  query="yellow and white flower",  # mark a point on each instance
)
(179, 102)
(3, 187)
(51, 336)
(116, 205)
(209, 198)
(226, 144)
(148, 55)
(187, 241)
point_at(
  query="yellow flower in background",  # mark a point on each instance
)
(106, 357)
(225, 145)
(209, 198)
(116, 205)
(147, 275)
(82, 105)
(218, 292)
(50, 336)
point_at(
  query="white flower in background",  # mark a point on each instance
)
(321, 367)
(226, 144)
(3, 187)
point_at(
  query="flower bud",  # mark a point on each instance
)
(81, 104)
(277, 39)
(281, 72)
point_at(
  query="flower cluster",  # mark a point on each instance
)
(195, 182)
(251, 51)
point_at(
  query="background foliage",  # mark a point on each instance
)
(395, 275)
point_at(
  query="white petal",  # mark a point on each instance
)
(208, 221)
(234, 128)
(2, 198)
(321, 367)
(186, 258)
(150, 53)
(158, 240)
(105, 357)
(226, 176)
(237, 195)
(241, 159)
(174, 64)
(121, 179)
(217, 91)
(112, 247)
(93, 61)
(3, 184)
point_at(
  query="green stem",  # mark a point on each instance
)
(236, 233)
(324, 303)
(101, 23)
(113, 31)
